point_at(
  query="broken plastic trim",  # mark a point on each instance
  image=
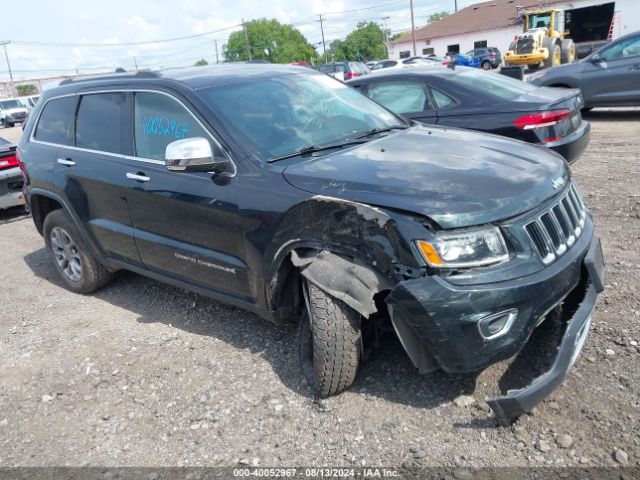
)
(349, 280)
(516, 402)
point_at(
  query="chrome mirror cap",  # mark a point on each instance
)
(192, 155)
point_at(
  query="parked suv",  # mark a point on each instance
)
(12, 111)
(609, 77)
(344, 70)
(289, 194)
(488, 58)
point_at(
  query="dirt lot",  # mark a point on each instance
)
(144, 374)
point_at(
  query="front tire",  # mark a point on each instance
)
(555, 56)
(77, 267)
(330, 342)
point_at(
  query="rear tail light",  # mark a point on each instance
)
(9, 162)
(532, 121)
(20, 164)
(492, 54)
(351, 75)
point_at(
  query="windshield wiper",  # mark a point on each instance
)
(350, 141)
(317, 148)
(377, 130)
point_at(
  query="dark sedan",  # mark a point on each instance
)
(10, 176)
(609, 77)
(469, 98)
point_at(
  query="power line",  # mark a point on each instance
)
(365, 8)
(124, 44)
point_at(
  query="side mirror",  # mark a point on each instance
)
(193, 155)
(595, 58)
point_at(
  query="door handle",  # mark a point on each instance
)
(66, 162)
(138, 177)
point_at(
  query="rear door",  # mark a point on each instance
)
(615, 80)
(408, 98)
(187, 225)
(90, 173)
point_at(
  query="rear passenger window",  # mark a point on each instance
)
(100, 120)
(160, 120)
(441, 100)
(400, 97)
(56, 121)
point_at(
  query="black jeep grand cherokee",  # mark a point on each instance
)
(285, 192)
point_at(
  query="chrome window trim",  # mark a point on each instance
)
(32, 138)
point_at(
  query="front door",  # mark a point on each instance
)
(186, 224)
(615, 79)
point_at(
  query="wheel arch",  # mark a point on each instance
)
(42, 204)
(332, 268)
(351, 250)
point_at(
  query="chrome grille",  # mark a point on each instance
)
(556, 229)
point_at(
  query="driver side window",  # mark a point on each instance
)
(625, 49)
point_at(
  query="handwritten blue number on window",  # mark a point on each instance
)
(163, 126)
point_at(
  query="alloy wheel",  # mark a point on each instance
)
(66, 254)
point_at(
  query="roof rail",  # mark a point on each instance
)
(142, 74)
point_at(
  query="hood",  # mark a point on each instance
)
(568, 69)
(458, 178)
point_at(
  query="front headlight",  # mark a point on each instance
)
(471, 248)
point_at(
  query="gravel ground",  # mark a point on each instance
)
(145, 374)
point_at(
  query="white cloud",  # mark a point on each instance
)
(85, 22)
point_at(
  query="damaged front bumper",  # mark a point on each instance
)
(11, 181)
(437, 322)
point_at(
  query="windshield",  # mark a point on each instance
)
(7, 104)
(280, 115)
(541, 20)
(498, 85)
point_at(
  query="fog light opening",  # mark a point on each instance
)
(497, 325)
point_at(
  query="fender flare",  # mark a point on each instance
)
(348, 279)
(87, 239)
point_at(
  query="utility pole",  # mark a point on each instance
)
(386, 36)
(413, 28)
(246, 39)
(4, 43)
(324, 47)
(455, 4)
(215, 42)
(135, 62)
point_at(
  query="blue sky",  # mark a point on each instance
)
(85, 24)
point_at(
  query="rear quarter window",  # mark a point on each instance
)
(55, 124)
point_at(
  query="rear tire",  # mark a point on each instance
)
(77, 267)
(329, 342)
(486, 65)
(568, 51)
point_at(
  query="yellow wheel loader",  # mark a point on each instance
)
(543, 41)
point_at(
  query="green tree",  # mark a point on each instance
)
(365, 43)
(434, 17)
(27, 89)
(201, 63)
(268, 40)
